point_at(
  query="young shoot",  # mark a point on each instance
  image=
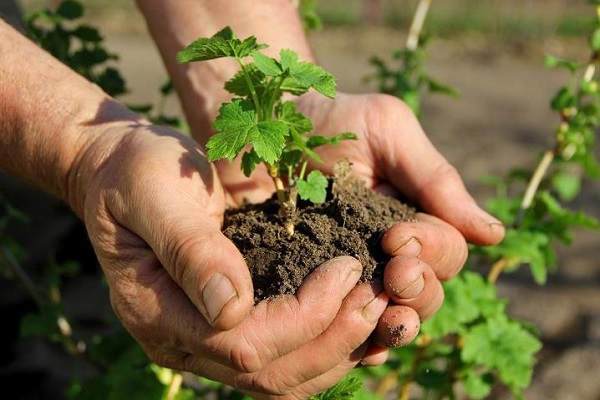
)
(261, 124)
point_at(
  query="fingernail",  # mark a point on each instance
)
(372, 311)
(216, 294)
(411, 248)
(412, 290)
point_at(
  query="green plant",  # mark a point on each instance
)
(261, 124)
(472, 341)
(409, 80)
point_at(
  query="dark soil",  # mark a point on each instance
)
(350, 222)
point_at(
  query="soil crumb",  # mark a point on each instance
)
(350, 222)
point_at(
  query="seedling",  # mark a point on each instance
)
(261, 124)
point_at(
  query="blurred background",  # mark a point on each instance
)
(492, 53)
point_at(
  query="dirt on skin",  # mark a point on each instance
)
(350, 222)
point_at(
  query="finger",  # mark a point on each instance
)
(430, 239)
(330, 356)
(423, 174)
(411, 282)
(375, 355)
(282, 325)
(204, 263)
(398, 326)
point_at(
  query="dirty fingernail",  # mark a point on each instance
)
(216, 294)
(372, 311)
(411, 248)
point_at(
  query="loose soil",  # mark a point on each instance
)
(350, 222)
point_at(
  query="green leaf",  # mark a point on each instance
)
(468, 297)
(564, 98)
(267, 65)
(237, 127)
(70, 10)
(288, 113)
(233, 126)
(310, 19)
(238, 85)
(317, 140)
(222, 44)
(343, 390)
(477, 386)
(556, 62)
(595, 40)
(249, 162)
(87, 34)
(567, 185)
(314, 188)
(504, 345)
(305, 75)
(269, 140)
(524, 247)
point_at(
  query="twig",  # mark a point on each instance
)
(174, 385)
(534, 184)
(412, 42)
(10, 263)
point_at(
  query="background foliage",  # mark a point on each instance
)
(467, 341)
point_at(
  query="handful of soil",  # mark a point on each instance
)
(350, 222)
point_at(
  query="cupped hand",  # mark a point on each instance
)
(394, 156)
(153, 208)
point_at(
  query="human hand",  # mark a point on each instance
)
(394, 156)
(153, 208)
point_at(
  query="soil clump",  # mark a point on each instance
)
(350, 222)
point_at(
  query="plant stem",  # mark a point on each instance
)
(412, 42)
(252, 89)
(534, 184)
(8, 262)
(174, 386)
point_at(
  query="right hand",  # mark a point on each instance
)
(153, 208)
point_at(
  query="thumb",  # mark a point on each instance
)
(212, 273)
(424, 174)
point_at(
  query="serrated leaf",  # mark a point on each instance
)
(222, 44)
(317, 140)
(314, 188)
(237, 127)
(503, 345)
(524, 247)
(268, 140)
(288, 113)
(238, 85)
(477, 386)
(267, 65)
(305, 75)
(468, 297)
(249, 162)
(343, 390)
(233, 126)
